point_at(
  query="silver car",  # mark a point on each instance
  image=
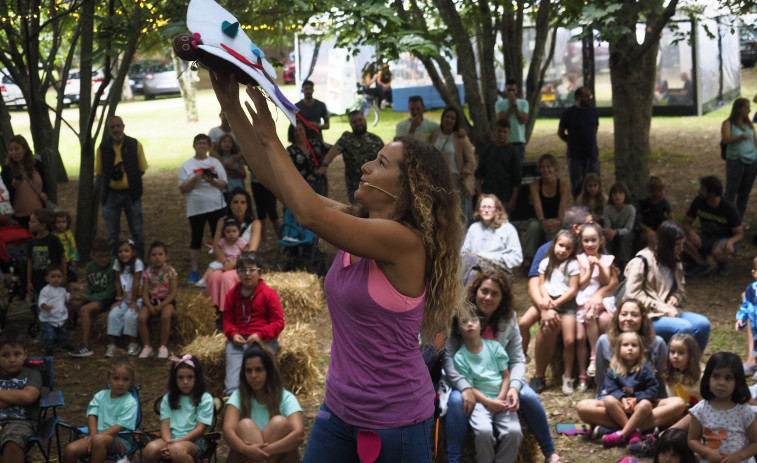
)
(160, 79)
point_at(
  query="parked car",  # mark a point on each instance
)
(71, 93)
(160, 79)
(288, 74)
(137, 73)
(748, 41)
(10, 92)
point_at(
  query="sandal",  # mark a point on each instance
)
(583, 383)
(592, 370)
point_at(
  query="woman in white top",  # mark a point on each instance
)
(203, 180)
(491, 242)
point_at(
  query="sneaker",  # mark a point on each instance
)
(645, 447)
(583, 384)
(702, 269)
(163, 352)
(723, 269)
(146, 352)
(109, 350)
(635, 437)
(615, 439)
(202, 283)
(133, 348)
(537, 384)
(194, 277)
(567, 385)
(600, 431)
(81, 351)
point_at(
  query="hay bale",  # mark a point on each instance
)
(210, 350)
(301, 294)
(194, 315)
(298, 359)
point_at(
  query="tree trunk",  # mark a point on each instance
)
(188, 92)
(88, 196)
(6, 131)
(633, 79)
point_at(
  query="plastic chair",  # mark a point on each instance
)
(299, 242)
(80, 431)
(211, 436)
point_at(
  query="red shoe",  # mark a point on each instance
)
(635, 437)
(615, 439)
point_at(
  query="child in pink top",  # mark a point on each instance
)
(232, 245)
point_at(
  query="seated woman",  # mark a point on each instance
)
(25, 178)
(220, 282)
(631, 316)
(492, 295)
(655, 279)
(491, 242)
(550, 199)
(262, 419)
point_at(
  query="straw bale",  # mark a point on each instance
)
(298, 359)
(301, 294)
(210, 350)
(194, 316)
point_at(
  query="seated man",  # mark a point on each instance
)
(720, 227)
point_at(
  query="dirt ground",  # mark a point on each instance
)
(680, 157)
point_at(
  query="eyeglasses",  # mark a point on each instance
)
(248, 270)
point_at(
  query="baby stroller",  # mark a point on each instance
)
(13, 238)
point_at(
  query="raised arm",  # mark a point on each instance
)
(383, 240)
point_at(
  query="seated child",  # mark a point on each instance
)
(122, 318)
(111, 411)
(654, 210)
(66, 237)
(593, 197)
(232, 244)
(19, 397)
(747, 317)
(620, 217)
(53, 311)
(253, 314)
(494, 421)
(44, 249)
(186, 411)
(159, 288)
(99, 295)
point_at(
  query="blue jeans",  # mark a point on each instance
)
(456, 423)
(521, 149)
(577, 169)
(50, 333)
(688, 322)
(112, 206)
(331, 439)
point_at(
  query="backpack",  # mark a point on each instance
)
(620, 291)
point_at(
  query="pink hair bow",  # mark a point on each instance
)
(185, 359)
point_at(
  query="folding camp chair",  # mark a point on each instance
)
(300, 243)
(48, 413)
(80, 431)
(211, 436)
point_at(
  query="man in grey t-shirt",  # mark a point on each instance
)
(416, 126)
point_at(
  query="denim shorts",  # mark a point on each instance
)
(331, 439)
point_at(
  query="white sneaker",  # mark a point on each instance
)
(163, 352)
(133, 348)
(567, 385)
(109, 350)
(202, 283)
(146, 352)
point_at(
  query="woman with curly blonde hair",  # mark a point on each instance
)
(393, 278)
(491, 242)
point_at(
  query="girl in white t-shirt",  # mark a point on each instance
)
(558, 285)
(185, 414)
(594, 313)
(262, 419)
(122, 318)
